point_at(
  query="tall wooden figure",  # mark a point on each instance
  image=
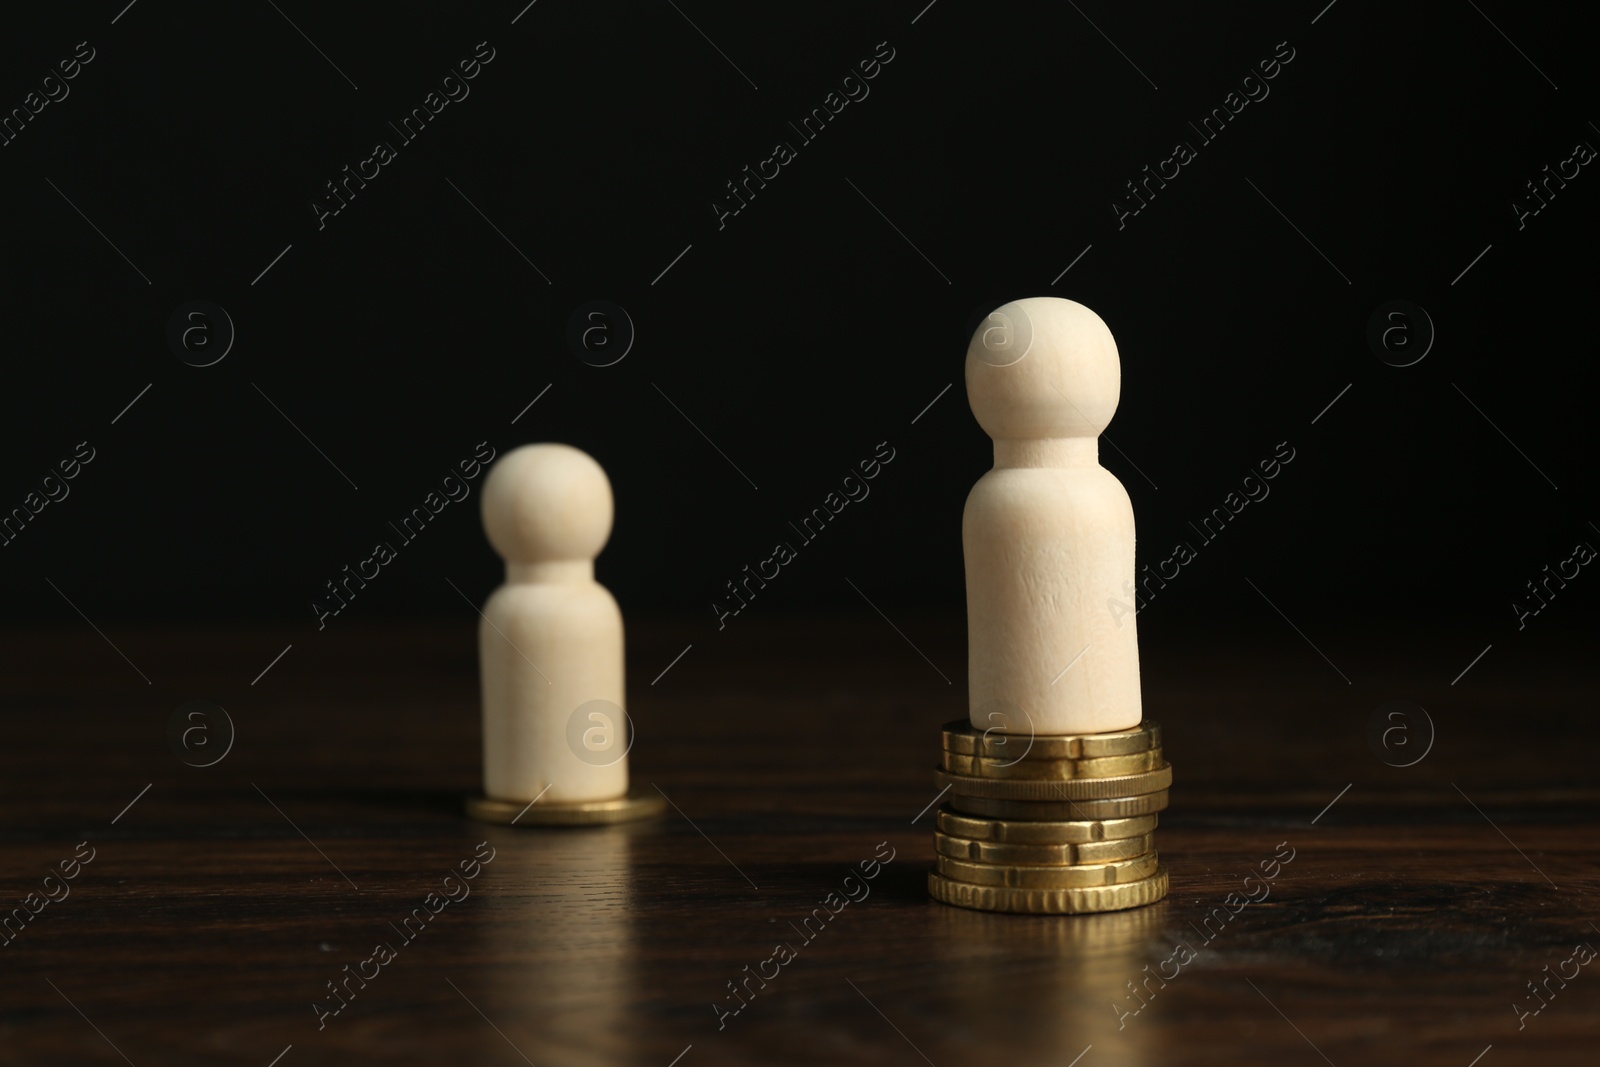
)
(1054, 779)
(555, 732)
(1048, 533)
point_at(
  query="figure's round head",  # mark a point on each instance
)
(1043, 367)
(548, 502)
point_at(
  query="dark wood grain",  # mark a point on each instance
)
(1412, 916)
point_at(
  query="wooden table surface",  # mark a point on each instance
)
(220, 904)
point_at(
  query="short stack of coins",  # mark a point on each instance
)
(1049, 825)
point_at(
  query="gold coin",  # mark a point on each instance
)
(1045, 811)
(1049, 901)
(1059, 770)
(964, 739)
(1015, 876)
(638, 804)
(1065, 832)
(1125, 785)
(965, 848)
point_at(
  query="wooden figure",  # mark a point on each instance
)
(1048, 533)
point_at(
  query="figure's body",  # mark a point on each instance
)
(1048, 534)
(551, 637)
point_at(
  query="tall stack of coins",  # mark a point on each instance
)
(1049, 825)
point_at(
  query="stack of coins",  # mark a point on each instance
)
(1049, 825)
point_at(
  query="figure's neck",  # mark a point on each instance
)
(565, 570)
(1047, 452)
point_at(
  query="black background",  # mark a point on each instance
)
(808, 329)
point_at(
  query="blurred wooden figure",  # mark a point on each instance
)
(556, 734)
